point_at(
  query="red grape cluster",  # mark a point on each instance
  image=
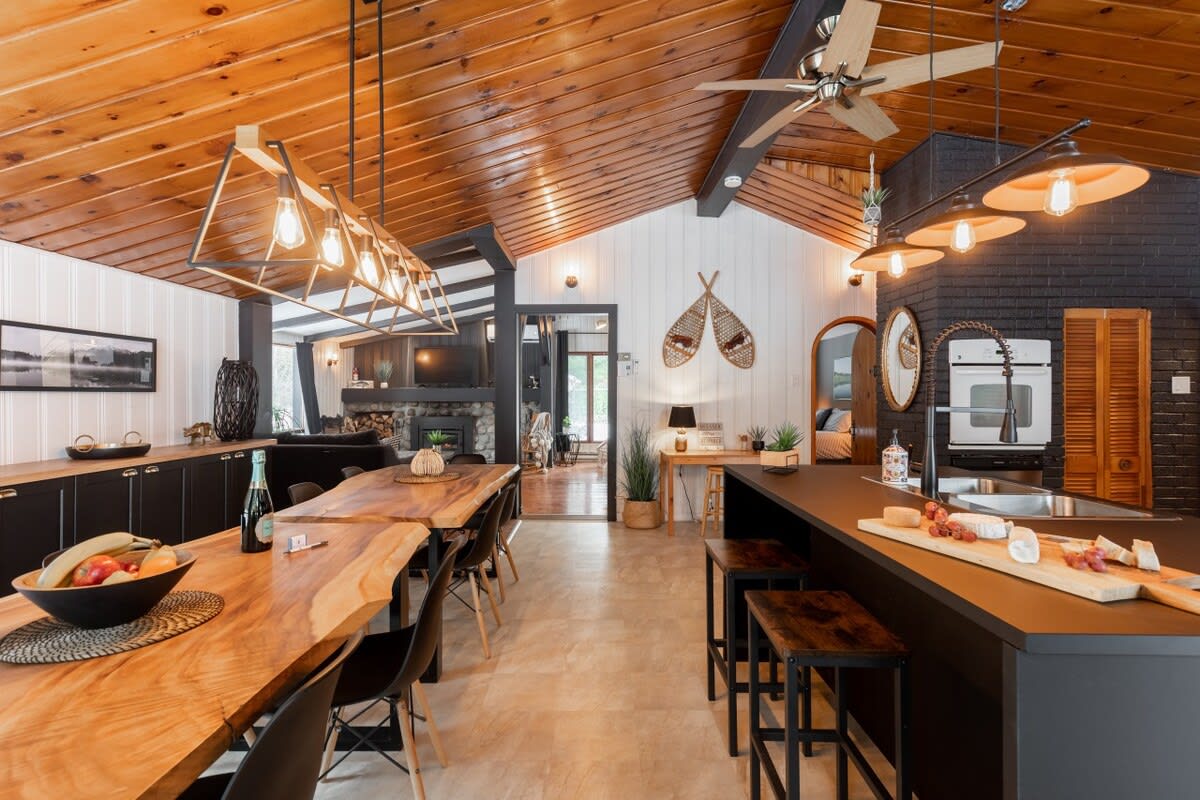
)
(1091, 558)
(943, 527)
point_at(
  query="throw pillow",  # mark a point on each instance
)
(823, 417)
(839, 421)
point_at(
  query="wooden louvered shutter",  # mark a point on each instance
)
(1106, 404)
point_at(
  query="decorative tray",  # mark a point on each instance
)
(93, 449)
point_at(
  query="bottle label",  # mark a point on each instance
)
(264, 529)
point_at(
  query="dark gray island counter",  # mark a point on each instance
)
(1019, 690)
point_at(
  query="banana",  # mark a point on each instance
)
(58, 571)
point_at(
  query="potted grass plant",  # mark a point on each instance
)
(782, 453)
(383, 371)
(639, 481)
(758, 437)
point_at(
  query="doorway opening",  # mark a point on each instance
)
(843, 393)
(567, 370)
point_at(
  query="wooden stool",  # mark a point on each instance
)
(714, 492)
(822, 629)
(741, 560)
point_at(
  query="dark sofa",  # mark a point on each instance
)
(320, 457)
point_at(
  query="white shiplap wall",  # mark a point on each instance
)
(331, 380)
(195, 330)
(784, 283)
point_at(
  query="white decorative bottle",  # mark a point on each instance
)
(895, 461)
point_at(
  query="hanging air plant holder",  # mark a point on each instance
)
(872, 200)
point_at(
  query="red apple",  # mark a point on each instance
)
(94, 570)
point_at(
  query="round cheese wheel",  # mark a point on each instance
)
(902, 517)
(985, 526)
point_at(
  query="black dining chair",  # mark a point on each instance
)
(303, 491)
(351, 471)
(384, 669)
(472, 566)
(509, 522)
(468, 458)
(285, 761)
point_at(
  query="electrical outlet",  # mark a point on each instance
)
(1181, 384)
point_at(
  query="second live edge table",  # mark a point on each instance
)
(375, 496)
(669, 459)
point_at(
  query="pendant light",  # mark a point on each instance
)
(895, 256)
(1066, 178)
(963, 225)
(288, 231)
(331, 241)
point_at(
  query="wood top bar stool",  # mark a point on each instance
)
(831, 630)
(714, 494)
(744, 563)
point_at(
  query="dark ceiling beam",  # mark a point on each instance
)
(362, 308)
(400, 320)
(454, 259)
(491, 246)
(795, 38)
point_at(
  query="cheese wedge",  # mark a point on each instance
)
(1114, 551)
(985, 526)
(902, 517)
(1023, 545)
(1146, 557)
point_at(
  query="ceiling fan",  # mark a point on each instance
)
(834, 74)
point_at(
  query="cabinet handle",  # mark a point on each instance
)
(151, 470)
(1124, 464)
(240, 454)
(129, 473)
(225, 456)
(7, 493)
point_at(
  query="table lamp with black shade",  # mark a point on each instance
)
(682, 418)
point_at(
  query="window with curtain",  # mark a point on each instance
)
(286, 407)
(587, 395)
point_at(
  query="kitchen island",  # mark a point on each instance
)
(1019, 690)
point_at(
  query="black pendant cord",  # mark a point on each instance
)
(931, 148)
(379, 47)
(996, 80)
(350, 98)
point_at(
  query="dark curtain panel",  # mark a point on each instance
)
(308, 386)
(561, 348)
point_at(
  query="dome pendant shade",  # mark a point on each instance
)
(964, 224)
(1095, 178)
(895, 256)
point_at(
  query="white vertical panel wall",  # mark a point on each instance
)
(330, 380)
(194, 329)
(784, 283)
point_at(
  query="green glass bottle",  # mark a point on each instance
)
(257, 512)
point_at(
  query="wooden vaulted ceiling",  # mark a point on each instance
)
(549, 119)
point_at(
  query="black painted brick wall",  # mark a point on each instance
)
(1141, 250)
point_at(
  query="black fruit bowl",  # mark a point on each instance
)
(104, 606)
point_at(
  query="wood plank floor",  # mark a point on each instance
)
(578, 490)
(595, 688)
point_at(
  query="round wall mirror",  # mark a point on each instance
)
(900, 358)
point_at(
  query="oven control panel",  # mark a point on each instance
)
(986, 351)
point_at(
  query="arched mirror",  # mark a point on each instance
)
(843, 393)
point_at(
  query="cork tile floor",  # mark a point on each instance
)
(595, 688)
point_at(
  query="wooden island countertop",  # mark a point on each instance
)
(146, 723)
(30, 471)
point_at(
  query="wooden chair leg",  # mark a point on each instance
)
(410, 751)
(331, 745)
(487, 585)
(487, 651)
(496, 566)
(511, 563)
(423, 702)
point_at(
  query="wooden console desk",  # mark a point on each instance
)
(669, 459)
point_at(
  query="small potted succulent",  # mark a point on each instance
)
(781, 454)
(383, 371)
(872, 200)
(428, 462)
(758, 437)
(639, 467)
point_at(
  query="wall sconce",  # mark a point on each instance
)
(572, 281)
(855, 279)
(332, 361)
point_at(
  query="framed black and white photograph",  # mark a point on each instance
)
(44, 358)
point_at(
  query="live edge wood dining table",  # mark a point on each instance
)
(376, 496)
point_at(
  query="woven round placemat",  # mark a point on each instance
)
(51, 641)
(443, 478)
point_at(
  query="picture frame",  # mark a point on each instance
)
(711, 435)
(47, 358)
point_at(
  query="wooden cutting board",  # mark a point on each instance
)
(1170, 586)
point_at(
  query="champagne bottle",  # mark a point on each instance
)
(257, 512)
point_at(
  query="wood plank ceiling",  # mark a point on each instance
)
(549, 118)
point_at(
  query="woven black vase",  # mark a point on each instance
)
(235, 401)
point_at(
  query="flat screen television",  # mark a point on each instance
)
(446, 366)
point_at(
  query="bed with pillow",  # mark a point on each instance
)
(834, 436)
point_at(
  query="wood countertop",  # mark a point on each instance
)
(30, 471)
(148, 722)
(1031, 617)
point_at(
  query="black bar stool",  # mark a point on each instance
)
(822, 629)
(741, 560)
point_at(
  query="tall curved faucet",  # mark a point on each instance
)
(1008, 429)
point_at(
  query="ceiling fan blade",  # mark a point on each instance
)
(865, 117)
(778, 122)
(851, 39)
(908, 71)
(761, 85)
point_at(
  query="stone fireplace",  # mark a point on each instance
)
(399, 418)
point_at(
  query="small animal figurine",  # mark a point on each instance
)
(201, 432)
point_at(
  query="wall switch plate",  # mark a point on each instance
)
(1181, 384)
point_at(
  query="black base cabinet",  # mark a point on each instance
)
(104, 502)
(35, 520)
(162, 505)
(216, 489)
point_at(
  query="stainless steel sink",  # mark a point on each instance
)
(1048, 504)
(969, 485)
